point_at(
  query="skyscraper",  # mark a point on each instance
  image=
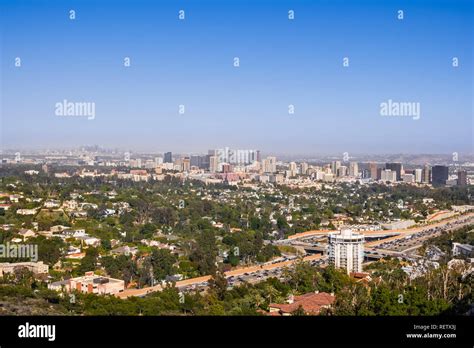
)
(213, 164)
(373, 170)
(425, 177)
(342, 171)
(439, 175)
(168, 158)
(346, 250)
(418, 174)
(462, 178)
(196, 161)
(395, 167)
(304, 168)
(388, 175)
(335, 166)
(353, 169)
(293, 169)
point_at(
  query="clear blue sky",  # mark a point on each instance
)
(283, 62)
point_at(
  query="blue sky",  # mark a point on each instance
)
(282, 62)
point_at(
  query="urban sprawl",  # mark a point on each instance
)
(92, 231)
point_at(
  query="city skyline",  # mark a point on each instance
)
(283, 63)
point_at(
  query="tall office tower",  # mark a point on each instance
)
(395, 167)
(425, 176)
(335, 166)
(186, 164)
(439, 175)
(462, 178)
(168, 158)
(346, 250)
(259, 157)
(213, 164)
(388, 175)
(373, 170)
(304, 168)
(365, 174)
(293, 169)
(353, 169)
(418, 174)
(342, 171)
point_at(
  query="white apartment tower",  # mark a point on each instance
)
(346, 250)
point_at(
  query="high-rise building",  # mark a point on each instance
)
(346, 250)
(335, 166)
(342, 171)
(213, 164)
(186, 164)
(462, 178)
(269, 165)
(365, 173)
(388, 175)
(395, 167)
(426, 175)
(439, 175)
(168, 158)
(353, 169)
(304, 168)
(293, 169)
(373, 170)
(195, 161)
(418, 174)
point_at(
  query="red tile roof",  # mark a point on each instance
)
(312, 303)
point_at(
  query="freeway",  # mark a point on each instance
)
(384, 232)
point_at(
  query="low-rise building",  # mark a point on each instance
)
(90, 284)
(463, 250)
(37, 268)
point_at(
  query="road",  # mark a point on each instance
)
(235, 272)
